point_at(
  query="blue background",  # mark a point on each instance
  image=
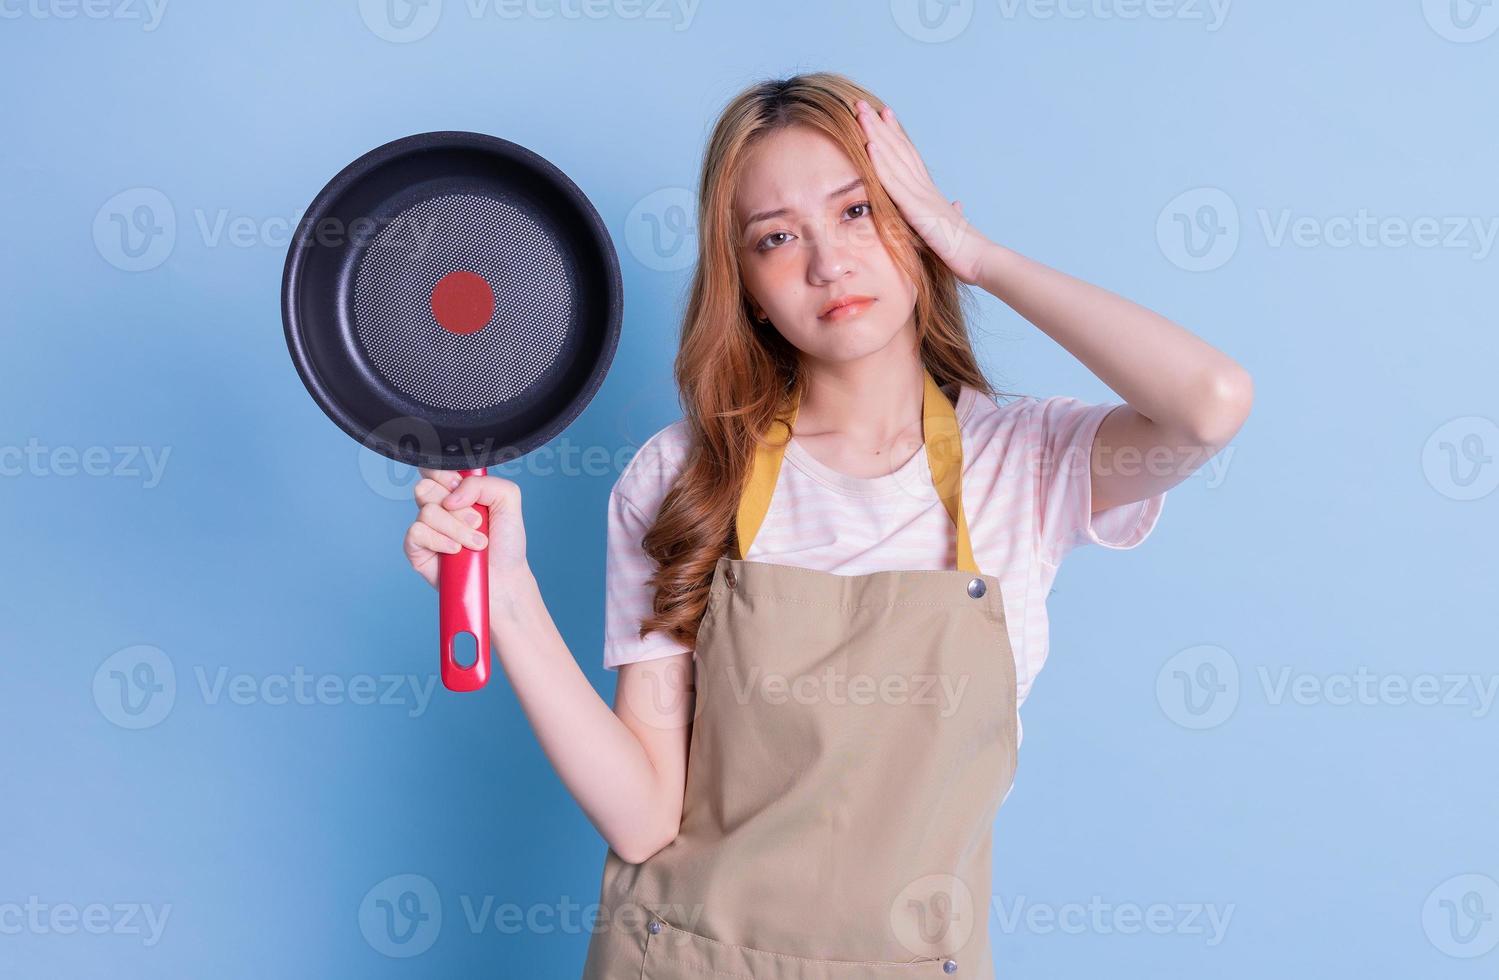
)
(1339, 539)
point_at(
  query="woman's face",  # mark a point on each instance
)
(808, 240)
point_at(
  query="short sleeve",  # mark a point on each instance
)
(628, 597)
(1062, 430)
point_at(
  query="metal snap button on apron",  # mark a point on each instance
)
(655, 927)
(951, 966)
(977, 588)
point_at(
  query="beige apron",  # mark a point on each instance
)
(853, 738)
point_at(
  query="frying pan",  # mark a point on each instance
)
(452, 300)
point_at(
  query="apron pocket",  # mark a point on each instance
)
(673, 953)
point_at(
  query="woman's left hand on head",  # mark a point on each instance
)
(939, 222)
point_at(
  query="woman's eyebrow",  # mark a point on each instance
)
(778, 212)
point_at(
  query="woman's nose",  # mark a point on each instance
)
(832, 257)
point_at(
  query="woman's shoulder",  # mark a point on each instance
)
(654, 467)
(990, 417)
(1028, 427)
(999, 426)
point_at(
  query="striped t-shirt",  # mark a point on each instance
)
(1027, 493)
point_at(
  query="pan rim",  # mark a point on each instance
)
(347, 178)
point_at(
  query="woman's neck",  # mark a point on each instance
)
(863, 417)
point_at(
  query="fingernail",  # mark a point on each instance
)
(477, 540)
(471, 518)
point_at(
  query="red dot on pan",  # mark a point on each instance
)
(462, 302)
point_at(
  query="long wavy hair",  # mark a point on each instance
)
(734, 374)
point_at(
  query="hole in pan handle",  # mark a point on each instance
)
(463, 598)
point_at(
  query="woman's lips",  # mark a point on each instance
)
(847, 310)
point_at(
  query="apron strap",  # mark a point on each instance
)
(941, 439)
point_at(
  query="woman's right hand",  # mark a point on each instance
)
(447, 521)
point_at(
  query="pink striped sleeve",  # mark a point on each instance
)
(1062, 429)
(627, 593)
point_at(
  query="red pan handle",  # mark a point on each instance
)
(463, 594)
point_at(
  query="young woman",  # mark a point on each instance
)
(826, 584)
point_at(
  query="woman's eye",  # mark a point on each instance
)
(767, 243)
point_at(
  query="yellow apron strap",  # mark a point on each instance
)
(765, 468)
(944, 452)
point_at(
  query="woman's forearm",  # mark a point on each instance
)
(1163, 371)
(600, 760)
